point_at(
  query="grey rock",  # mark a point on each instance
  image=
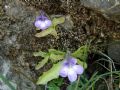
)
(15, 19)
(17, 79)
(109, 8)
(114, 51)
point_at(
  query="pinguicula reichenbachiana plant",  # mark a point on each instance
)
(42, 22)
(47, 26)
(70, 67)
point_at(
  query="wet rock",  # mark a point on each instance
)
(109, 8)
(4, 70)
(18, 42)
(17, 10)
(50, 6)
(11, 24)
(14, 75)
(114, 51)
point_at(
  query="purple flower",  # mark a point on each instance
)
(42, 22)
(70, 69)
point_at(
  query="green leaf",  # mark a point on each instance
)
(72, 86)
(57, 52)
(53, 87)
(45, 32)
(55, 84)
(83, 80)
(40, 53)
(57, 21)
(42, 63)
(81, 53)
(58, 81)
(55, 58)
(84, 64)
(50, 74)
(54, 33)
(51, 30)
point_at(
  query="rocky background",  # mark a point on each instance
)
(86, 21)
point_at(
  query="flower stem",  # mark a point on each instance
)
(77, 83)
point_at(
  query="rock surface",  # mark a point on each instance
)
(109, 8)
(17, 40)
(114, 51)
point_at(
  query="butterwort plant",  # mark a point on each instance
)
(47, 25)
(64, 64)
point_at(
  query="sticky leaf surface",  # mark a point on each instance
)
(50, 74)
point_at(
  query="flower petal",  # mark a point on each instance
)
(78, 69)
(72, 75)
(41, 24)
(65, 63)
(37, 23)
(64, 71)
(48, 23)
(72, 61)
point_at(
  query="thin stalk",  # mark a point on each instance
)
(95, 78)
(77, 83)
(111, 79)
